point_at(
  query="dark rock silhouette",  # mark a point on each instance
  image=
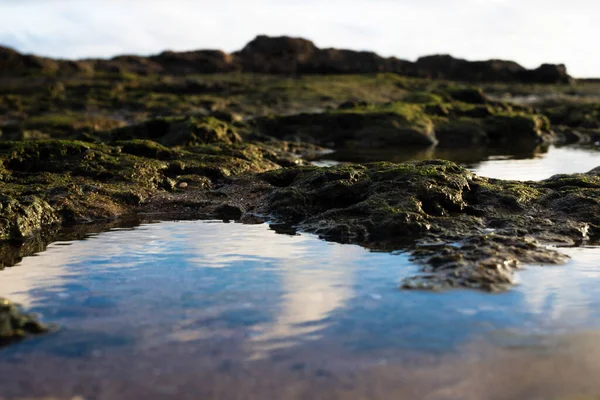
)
(293, 56)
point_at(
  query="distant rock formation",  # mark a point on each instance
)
(293, 56)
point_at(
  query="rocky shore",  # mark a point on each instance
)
(289, 55)
(109, 141)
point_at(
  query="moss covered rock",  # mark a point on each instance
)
(22, 217)
(484, 228)
(52, 181)
(525, 129)
(181, 132)
(395, 124)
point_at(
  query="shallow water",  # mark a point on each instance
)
(214, 310)
(558, 160)
(538, 164)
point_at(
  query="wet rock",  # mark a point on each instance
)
(524, 129)
(461, 134)
(172, 132)
(147, 149)
(15, 325)
(350, 104)
(63, 182)
(469, 95)
(398, 124)
(384, 205)
(229, 212)
(479, 262)
(23, 217)
(284, 229)
(584, 115)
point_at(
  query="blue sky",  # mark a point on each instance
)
(527, 31)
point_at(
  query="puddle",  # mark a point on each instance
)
(538, 164)
(558, 160)
(212, 310)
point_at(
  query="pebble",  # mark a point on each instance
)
(182, 185)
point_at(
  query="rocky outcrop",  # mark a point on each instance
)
(13, 62)
(548, 73)
(403, 125)
(448, 67)
(471, 231)
(203, 61)
(288, 55)
(415, 125)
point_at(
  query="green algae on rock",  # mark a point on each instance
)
(16, 325)
(398, 124)
(421, 120)
(53, 181)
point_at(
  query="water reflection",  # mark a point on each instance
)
(503, 163)
(189, 281)
(180, 297)
(207, 279)
(565, 295)
(558, 160)
(311, 295)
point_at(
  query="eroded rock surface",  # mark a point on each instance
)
(472, 231)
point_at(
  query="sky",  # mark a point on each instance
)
(530, 32)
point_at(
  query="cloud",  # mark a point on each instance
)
(529, 32)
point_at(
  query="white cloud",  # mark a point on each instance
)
(529, 32)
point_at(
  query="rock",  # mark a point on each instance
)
(15, 325)
(461, 134)
(469, 95)
(584, 115)
(13, 62)
(77, 182)
(393, 125)
(22, 217)
(201, 61)
(386, 206)
(276, 54)
(518, 129)
(182, 131)
(447, 67)
(348, 105)
(229, 212)
(548, 73)
(133, 64)
(291, 56)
